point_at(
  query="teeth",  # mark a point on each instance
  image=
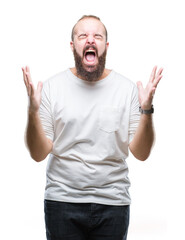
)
(90, 50)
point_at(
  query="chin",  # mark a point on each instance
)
(90, 68)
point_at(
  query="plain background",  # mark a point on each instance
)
(142, 33)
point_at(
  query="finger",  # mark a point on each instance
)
(39, 87)
(27, 69)
(28, 74)
(152, 76)
(159, 72)
(157, 80)
(140, 86)
(31, 89)
(26, 81)
(29, 86)
(25, 77)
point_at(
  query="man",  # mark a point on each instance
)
(87, 119)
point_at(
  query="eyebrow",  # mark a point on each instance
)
(82, 34)
(96, 34)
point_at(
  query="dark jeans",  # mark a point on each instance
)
(85, 221)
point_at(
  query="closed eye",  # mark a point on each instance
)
(98, 36)
(82, 35)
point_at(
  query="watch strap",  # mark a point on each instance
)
(150, 111)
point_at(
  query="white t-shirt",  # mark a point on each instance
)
(91, 125)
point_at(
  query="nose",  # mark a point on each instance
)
(90, 39)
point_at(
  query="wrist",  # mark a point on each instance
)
(146, 110)
(33, 112)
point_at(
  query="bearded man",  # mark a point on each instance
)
(87, 120)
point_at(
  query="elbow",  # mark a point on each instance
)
(40, 153)
(38, 157)
(140, 153)
(142, 157)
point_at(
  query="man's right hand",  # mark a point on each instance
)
(38, 144)
(33, 94)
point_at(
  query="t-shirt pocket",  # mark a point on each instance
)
(109, 118)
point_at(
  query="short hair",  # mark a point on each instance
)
(88, 16)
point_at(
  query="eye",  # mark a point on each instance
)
(98, 36)
(83, 35)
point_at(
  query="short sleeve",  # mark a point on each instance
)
(46, 113)
(134, 114)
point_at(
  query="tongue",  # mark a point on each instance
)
(90, 57)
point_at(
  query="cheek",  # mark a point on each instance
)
(101, 49)
(79, 48)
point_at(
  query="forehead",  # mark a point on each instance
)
(89, 25)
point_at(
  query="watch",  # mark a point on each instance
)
(150, 111)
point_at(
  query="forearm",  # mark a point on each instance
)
(143, 140)
(38, 144)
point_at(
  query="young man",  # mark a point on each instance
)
(87, 119)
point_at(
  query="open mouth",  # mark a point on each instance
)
(90, 55)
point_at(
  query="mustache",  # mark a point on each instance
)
(90, 46)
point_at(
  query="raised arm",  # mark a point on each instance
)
(38, 144)
(143, 140)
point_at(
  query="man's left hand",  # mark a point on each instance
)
(146, 94)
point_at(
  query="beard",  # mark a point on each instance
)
(94, 72)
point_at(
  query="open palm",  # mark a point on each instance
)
(33, 94)
(146, 94)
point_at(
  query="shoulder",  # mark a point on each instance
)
(123, 81)
(52, 85)
(57, 78)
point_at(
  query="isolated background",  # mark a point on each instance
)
(142, 33)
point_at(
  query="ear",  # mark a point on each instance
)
(72, 45)
(107, 45)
